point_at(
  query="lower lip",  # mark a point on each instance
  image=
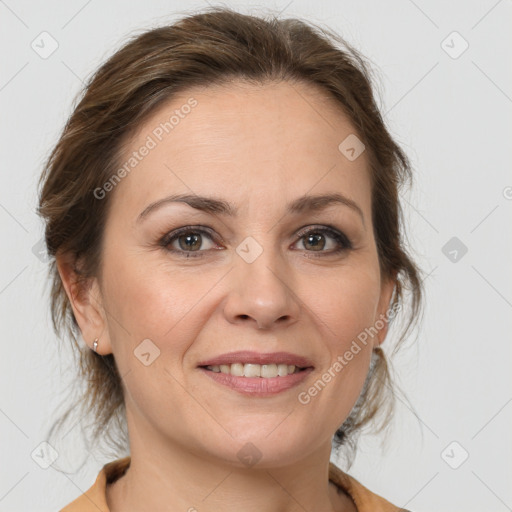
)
(257, 386)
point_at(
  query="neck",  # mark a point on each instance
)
(171, 477)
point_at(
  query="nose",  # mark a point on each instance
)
(261, 293)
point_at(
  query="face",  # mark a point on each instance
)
(262, 267)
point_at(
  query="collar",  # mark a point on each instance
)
(94, 499)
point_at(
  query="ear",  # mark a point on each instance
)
(87, 304)
(381, 322)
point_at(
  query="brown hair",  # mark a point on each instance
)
(211, 47)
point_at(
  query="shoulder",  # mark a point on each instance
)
(364, 499)
(94, 499)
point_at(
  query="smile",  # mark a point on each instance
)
(257, 386)
(264, 371)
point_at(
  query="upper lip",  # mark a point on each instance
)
(247, 356)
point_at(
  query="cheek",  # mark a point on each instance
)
(146, 302)
(150, 301)
(345, 310)
(346, 304)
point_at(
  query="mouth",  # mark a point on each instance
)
(256, 359)
(257, 374)
(255, 370)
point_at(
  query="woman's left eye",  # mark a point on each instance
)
(316, 239)
(188, 240)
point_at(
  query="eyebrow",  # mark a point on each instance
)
(216, 206)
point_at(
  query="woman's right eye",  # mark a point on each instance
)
(188, 240)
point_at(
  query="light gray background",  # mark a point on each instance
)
(452, 117)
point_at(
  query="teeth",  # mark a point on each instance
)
(264, 371)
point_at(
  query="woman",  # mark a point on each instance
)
(222, 208)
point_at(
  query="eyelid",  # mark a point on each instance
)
(318, 227)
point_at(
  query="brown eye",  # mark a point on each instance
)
(188, 240)
(324, 240)
(314, 241)
(191, 242)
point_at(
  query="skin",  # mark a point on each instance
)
(258, 147)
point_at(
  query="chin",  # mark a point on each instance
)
(263, 448)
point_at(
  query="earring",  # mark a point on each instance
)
(95, 345)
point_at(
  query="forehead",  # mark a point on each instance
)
(249, 113)
(280, 138)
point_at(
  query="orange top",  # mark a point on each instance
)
(94, 499)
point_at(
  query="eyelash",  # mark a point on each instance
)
(344, 243)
